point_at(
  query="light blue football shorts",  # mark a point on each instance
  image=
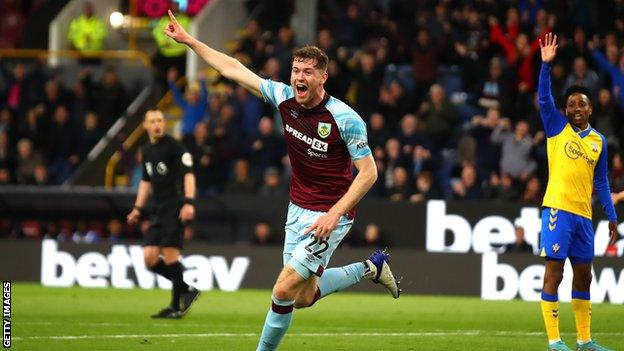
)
(305, 253)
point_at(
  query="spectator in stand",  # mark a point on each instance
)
(502, 188)
(533, 192)
(612, 65)
(372, 237)
(115, 231)
(583, 76)
(12, 24)
(249, 108)
(393, 102)
(17, 88)
(272, 184)
(519, 245)
(606, 118)
(7, 156)
(516, 159)
(266, 148)
(466, 187)
(87, 33)
(425, 57)
(393, 158)
(33, 126)
(282, 51)
(41, 175)
(193, 103)
(89, 135)
(440, 118)
(82, 99)
(425, 189)
(616, 176)
(110, 98)
(410, 136)
(368, 78)
(61, 152)
(207, 167)
(421, 161)
(27, 160)
(241, 182)
(227, 133)
(401, 186)
(263, 235)
(487, 152)
(377, 132)
(5, 175)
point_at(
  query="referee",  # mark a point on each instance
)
(168, 172)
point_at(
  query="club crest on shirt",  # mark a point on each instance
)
(149, 168)
(324, 129)
(594, 147)
(294, 113)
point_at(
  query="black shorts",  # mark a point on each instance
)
(166, 229)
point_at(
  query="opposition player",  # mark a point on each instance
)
(577, 164)
(324, 137)
(168, 173)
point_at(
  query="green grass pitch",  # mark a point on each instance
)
(108, 319)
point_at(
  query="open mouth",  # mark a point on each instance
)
(301, 89)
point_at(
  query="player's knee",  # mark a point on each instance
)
(283, 291)
(150, 259)
(581, 282)
(553, 278)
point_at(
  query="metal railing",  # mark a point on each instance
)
(130, 55)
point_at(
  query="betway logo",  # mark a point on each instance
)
(313, 142)
(453, 233)
(94, 270)
(527, 284)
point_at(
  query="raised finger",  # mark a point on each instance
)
(172, 17)
(555, 40)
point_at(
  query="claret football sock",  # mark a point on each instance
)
(339, 278)
(550, 312)
(581, 305)
(276, 324)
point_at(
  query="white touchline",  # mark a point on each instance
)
(226, 335)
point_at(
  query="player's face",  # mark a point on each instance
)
(578, 110)
(307, 81)
(154, 124)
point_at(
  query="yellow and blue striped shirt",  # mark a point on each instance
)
(577, 160)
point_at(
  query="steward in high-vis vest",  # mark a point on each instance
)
(87, 32)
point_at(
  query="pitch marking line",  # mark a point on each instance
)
(227, 335)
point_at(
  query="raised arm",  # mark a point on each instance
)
(553, 120)
(226, 65)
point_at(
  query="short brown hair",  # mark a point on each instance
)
(314, 53)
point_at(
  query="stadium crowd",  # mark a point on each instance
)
(447, 89)
(449, 99)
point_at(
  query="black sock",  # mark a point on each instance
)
(179, 286)
(160, 268)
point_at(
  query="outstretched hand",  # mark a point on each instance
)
(175, 31)
(549, 47)
(614, 236)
